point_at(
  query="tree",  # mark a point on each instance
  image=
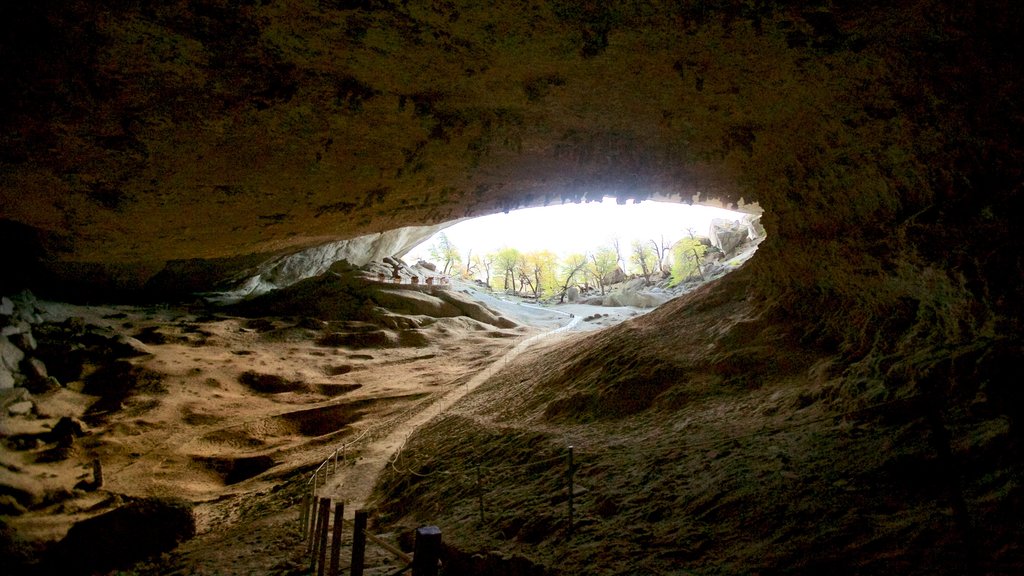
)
(483, 264)
(506, 261)
(686, 258)
(537, 270)
(573, 266)
(617, 248)
(643, 256)
(602, 263)
(470, 266)
(444, 251)
(662, 250)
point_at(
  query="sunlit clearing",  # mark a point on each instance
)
(641, 252)
(580, 228)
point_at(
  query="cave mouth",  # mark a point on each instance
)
(663, 243)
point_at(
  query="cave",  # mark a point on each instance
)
(842, 403)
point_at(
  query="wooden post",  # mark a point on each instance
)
(97, 473)
(304, 515)
(311, 521)
(571, 472)
(320, 536)
(480, 493)
(322, 545)
(358, 544)
(427, 551)
(339, 521)
(314, 522)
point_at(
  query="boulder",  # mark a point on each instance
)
(65, 431)
(18, 326)
(427, 265)
(10, 356)
(726, 235)
(20, 408)
(6, 306)
(12, 396)
(26, 308)
(35, 371)
(7, 378)
(613, 277)
(25, 340)
(572, 294)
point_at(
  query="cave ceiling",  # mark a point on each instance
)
(139, 134)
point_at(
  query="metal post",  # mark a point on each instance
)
(339, 521)
(359, 544)
(571, 472)
(427, 551)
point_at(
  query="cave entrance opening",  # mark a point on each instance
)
(595, 250)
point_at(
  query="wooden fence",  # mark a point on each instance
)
(318, 530)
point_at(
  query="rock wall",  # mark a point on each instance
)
(881, 141)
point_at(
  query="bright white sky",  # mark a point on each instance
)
(569, 228)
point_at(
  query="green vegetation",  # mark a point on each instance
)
(445, 253)
(543, 274)
(687, 255)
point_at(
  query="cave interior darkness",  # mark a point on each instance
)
(152, 151)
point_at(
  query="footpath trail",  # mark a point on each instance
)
(353, 483)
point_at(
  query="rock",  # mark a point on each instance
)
(613, 277)
(428, 265)
(65, 431)
(7, 379)
(34, 369)
(6, 306)
(128, 347)
(726, 235)
(37, 380)
(572, 294)
(17, 327)
(25, 340)
(20, 408)
(10, 355)
(25, 307)
(12, 396)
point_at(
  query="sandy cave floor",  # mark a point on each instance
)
(238, 454)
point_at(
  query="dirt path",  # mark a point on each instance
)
(354, 481)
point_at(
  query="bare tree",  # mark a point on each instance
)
(662, 250)
(484, 264)
(618, 252)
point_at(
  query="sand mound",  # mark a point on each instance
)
(341, 294)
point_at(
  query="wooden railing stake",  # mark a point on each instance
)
(359, 544)
(320, 535)
(427, 551)
(339, 522)
(322, 545)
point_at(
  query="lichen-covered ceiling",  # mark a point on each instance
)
(220, 132)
